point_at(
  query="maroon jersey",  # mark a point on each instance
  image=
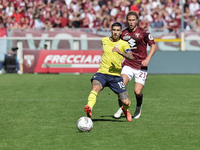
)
(138, 41)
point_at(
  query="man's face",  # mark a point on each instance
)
(116, 32)
(132, 21)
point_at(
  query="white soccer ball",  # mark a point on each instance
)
(84, 124)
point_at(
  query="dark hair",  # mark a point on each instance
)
(116, 24)
(130, 13)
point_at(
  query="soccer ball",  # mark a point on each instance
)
(84, 124)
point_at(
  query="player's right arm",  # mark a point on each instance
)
(127, 55)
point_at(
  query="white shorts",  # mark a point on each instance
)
(139, 75)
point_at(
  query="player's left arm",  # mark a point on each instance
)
(127, 55)
(149, 39)
(153, 49)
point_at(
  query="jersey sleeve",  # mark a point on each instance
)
(148, 38)
(126, 47)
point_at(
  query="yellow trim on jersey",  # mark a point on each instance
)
(111, 61)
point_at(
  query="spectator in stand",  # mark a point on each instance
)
(144, 24)
(85, 22)
(2, 27)
(134, 7)
(47, 16)
(17, 15)
(148, 17)
(97, 23)
(85, 19)
(74, 6)
(57, 21)
(47, 25)
(124, 6)
(9, 24)
(29, 4)
(169, 8)
(64, 9)
(21, 7)
(173, 25)
(107, 23)
(13, 24)
(194, 6)
(109, 6)
(146, 5)
(155, 3)
(86, 4)
(38, 24)
(70, 25)
(96, 6)
(53, 15)
(58, 9)
(64, 20)
(76, 21)
(48, 8)
(159, 24)
(22, 25)
(9, 9)
(197, 26)
(2, 12)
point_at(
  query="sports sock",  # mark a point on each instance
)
(139, 100)
(125, 107)
(119, 101)
(92, 98)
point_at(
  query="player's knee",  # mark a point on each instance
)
(138, 92)
(126, 102)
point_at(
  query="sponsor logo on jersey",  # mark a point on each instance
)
(137, 35)
(29, 60)
(127, 37)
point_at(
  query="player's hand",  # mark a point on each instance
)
(145, 62)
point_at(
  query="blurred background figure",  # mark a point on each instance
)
(10, 64)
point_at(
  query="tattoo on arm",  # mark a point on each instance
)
(123, 95)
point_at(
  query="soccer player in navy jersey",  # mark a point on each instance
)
(138, 38)
(114, 49)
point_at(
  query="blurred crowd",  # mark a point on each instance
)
(155, 15)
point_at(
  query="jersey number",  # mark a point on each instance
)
(121, 84)
(143, 75)
(132, 43)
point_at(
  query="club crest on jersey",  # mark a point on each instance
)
(137, 35)
(126, 37)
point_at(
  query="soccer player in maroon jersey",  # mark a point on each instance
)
(138, 38)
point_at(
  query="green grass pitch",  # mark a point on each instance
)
(39, 112)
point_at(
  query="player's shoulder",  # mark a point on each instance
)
(105, 38)
(125, 29)
(143, 30)
(123, 42)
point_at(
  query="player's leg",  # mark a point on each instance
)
(96, 88)
(127, 75)
(125, 105)
(116, 84)
(140, 78)
(120, 111)
(139, 97)
(98, 83)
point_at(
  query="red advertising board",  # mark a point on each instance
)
(61, 61)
